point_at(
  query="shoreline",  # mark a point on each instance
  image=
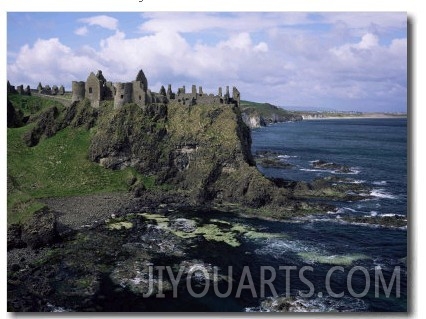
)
(378, 116)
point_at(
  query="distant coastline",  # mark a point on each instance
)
(322, 116)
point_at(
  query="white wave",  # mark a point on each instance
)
(373, 213)
(381, 193)
(391, 215)
(380, 183)
(343, 210)
(279, 248)
(357, 181)
(315, 304)
(286, 156)
(315, 170)
(53, 308)
(352, 171)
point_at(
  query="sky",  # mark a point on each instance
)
(341, 61)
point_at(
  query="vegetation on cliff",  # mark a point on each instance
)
(262, 114)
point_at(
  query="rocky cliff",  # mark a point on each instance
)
(203, 150)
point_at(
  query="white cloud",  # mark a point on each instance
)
(81, 31)
(368, 41)
(103, 21)
(261, 47)
(49, 62)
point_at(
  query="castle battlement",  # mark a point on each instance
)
(98, 89)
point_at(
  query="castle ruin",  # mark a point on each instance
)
(97, 89)
(18, 90)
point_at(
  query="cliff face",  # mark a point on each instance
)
(261, 114)
(203, 150)
(253, 120)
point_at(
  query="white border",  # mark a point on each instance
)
(417, 18)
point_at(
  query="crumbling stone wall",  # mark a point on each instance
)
(139, 93)
(78, 91)
(93, 90)
(123, 94)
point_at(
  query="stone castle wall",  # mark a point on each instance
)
(123, 94)
(78, 91)
(97, 89)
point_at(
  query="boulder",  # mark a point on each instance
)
(41, 229)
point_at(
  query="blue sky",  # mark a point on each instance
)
(344, 61)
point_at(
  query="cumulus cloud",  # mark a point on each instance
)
(81, 31)
(103, 21)
(49, 61)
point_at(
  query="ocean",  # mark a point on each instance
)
(376, 152)
(374, 149)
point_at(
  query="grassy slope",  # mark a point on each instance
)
(56, 167)
(264, 109)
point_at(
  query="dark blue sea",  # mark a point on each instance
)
(376, 152)
(374, 149)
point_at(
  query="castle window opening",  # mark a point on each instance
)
(90, 90)
(122, 96)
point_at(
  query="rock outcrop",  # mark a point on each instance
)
(203, 149)
(39, 231)
(14, 117)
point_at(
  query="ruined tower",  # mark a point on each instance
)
(78, 91)
(140, 87)
(94, 89)
(123, 94)
(236, 96)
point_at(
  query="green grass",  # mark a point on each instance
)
(264, 109)
(57, 167)
(32, 104)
